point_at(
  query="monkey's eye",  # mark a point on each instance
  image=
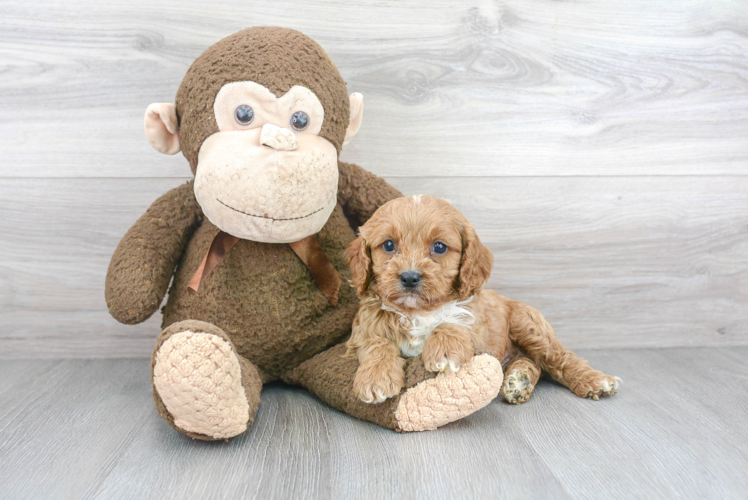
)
(244, 114)
(300, 120)
(388, 246)
(439, 247)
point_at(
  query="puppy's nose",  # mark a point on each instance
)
(410, 279)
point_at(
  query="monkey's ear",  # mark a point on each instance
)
(358, 259)
(161, 128)
(357, 114)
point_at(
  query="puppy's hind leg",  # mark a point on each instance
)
(536, 338)
(522, 374)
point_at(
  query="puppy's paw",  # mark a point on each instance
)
(517, 387)
(596, 385)
(446, 353)
(375, 383)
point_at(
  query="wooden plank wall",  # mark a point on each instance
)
(600, 146)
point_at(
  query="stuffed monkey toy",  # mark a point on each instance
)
(253, 246)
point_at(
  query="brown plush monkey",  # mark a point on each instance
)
(255, 246)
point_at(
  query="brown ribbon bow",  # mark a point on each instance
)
(308, 250)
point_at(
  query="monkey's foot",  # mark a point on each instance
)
(450, 396)
(197, 376)
(428, 400)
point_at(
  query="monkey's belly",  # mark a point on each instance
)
(265, 299)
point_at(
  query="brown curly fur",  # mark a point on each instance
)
(512, 331)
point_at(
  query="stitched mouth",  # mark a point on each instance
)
(267, 216)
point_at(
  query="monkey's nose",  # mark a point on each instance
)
(278, 138)
(410, 279)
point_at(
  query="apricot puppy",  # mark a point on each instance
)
(419, 269)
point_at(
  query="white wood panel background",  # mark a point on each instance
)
(601, 147)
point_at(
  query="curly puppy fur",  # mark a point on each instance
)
(447, 315)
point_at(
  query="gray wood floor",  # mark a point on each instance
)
(677, 429)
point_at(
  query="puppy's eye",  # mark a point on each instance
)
(439, 247)
(388, 246)
(300, 120)
(244, 114)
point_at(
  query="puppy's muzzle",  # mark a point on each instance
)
(410, 280)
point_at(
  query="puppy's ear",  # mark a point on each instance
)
(475, 268)
(358, 258)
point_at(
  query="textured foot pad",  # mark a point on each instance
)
(198, 378)
(450, 396)
(517, 387)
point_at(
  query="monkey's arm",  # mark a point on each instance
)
(361, 193)
(144, 261)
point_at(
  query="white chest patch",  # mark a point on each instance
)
(420, 326)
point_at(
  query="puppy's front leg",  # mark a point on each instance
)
(380, 373)
(447, 348)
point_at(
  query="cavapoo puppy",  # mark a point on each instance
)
(419, 269)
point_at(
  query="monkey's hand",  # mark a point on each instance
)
(361, 193)
(144, 261)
